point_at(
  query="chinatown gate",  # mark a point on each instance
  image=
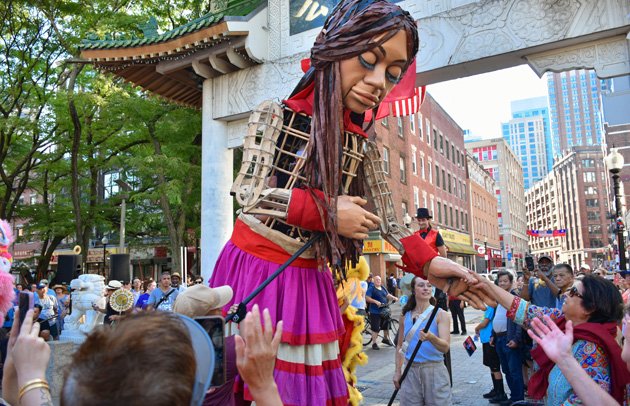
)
(246, 51)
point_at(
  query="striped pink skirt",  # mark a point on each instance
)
(308, 367)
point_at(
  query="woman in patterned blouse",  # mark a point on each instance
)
(591, 312)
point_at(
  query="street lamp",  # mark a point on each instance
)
(123, 211)
(104, 241)
(614, 162)
(485, 249)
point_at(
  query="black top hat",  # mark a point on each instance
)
(423, 213)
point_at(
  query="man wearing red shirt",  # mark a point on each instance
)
(431, 236)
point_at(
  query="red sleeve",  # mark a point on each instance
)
(417, 254)
(303, 211)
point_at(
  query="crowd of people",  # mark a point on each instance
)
(311, 201)
(556, 334)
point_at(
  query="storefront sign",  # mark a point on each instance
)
(455, 236)
(378, 246)
(308, 14)
(23, 254)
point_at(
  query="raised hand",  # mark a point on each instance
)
(554, 342)
(256, 353)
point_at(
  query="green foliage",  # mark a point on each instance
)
(46, 103)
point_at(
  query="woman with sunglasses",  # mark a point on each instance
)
(593, 307)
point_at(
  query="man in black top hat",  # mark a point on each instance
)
(431, 236)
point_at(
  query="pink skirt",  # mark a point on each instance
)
(308, 367)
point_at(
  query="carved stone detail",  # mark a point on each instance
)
(609, 57)
(239, 92)
(454, 32)
(274, 8)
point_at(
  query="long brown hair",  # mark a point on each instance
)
(349, 31)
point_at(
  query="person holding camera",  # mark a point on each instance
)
(377, 297)
(538, 288)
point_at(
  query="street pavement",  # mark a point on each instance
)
(471, 379)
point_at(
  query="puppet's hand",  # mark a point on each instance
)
(444, 268)
(353, 221)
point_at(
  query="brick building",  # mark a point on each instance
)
(543, 213)
(424, 158)
(505, 168)
(484, 227)
(581, 179)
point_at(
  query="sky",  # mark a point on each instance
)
(481, 103)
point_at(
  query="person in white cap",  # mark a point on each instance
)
(585, 269)
(198, 301)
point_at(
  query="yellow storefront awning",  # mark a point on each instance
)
(460, 248)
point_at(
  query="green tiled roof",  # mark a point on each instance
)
(235, 8)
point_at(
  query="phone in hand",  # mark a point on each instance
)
(215, 327)
(26, 303)
(529, 263)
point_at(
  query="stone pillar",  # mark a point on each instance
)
(216, 180)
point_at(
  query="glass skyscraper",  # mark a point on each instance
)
(528, 134)
(575, 108)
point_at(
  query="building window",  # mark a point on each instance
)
(33, 198)
(412, 124)
(405, 208)
(435, 139)
(400, 127)
(589, 177)
(416, 197)
(448, 154)
(384, 122)
(441, 144)
(109, 184)
(592, 203)
(466, 221)
(437, 176)
(439, 212)
(414, 163)
(449, 183)
(592, 215)
(422, 167)
(430, 173)
(451, 210)
(386, 160)
(444, 179)
(456, 219)
(403, 171)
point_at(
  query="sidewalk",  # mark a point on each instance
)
(471, 379)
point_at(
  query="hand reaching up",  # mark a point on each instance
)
(256, 351)
(554, 342)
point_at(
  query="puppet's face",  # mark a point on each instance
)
(368, 78)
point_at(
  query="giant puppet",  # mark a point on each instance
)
(306, 165)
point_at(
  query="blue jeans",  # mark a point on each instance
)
(511, 364)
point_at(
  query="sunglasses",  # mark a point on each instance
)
(574, 292)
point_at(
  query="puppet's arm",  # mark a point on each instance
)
(418, 257)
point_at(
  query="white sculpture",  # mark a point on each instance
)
(87, 289)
